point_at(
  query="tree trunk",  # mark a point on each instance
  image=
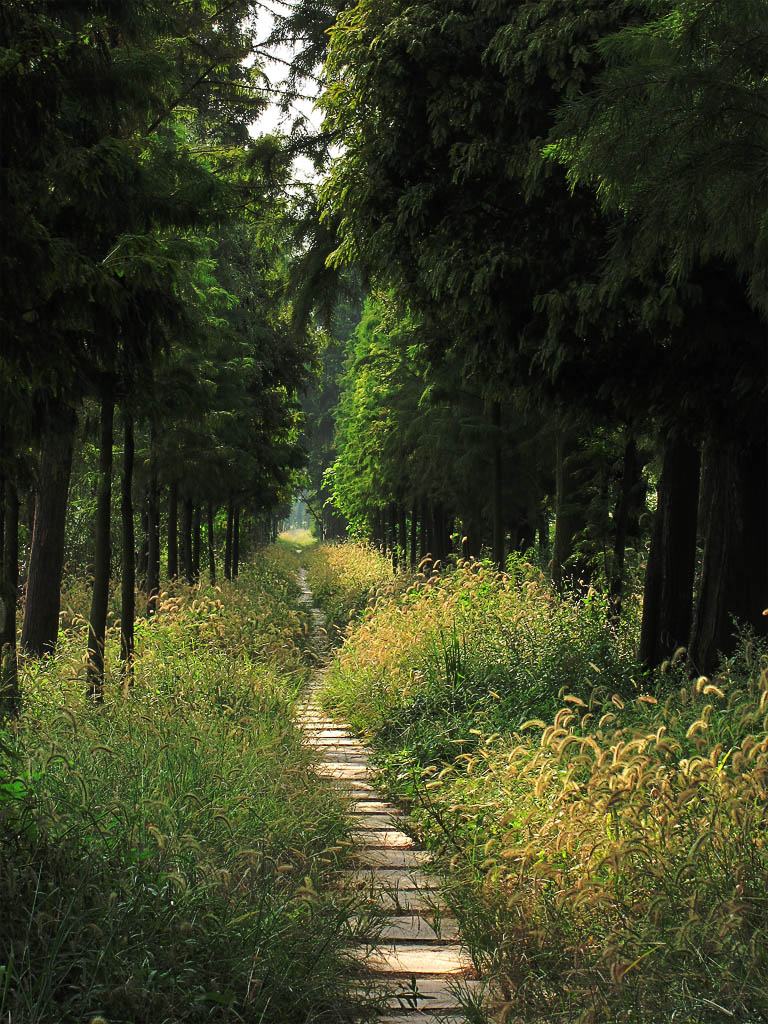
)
(40, 628)
(97, 623)
(228, 543)
(153, 538)
(211, 546)
(128, 565)
(668, 596)
(423, 530)
(497, 495)
(9, 587)
(196, 518)
(414, 535)
(186, 539)
(402, 528)
(142, 554)
(568, 521)
(734, 571)
(630, 471)
(235, 542)
(392, 535)
(173, 531)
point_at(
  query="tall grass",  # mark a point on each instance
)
(170, 856)
(604, 832)
(344, 577)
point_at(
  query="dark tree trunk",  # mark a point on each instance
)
(414, 535)
(40, 628)
(734, 571)
(235, 542)
(228, 543)
(423, 530)
(211, 546)
(97, 623)
(153, 539)
(9, 592)
(668, 596)
(631, 469)
(128, 581)
(497, 495)
(568, 515)
(438, 534)
(186, 540)
(402, 528)
(196, 523)
(392, 535)
(173, 530)
(142, 555)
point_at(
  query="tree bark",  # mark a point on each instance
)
(631, 469)
(423, 530)
(186, 540)
(40, 628)
(196, 520)
(10, 701)
(734, 571)
(568, 520)
(211, 546)
(228, 543)
(402, 529)
(414, 535)
(173, 530)
(668, 596)
(97, 623)
(235, 543)
(497, 495)
(153, 535)
(128, 564)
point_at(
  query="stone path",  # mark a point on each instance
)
(420, 958)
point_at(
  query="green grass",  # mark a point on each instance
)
(170, 856)
(603, 831)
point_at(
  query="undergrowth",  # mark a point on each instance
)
(169, 856)
(343, 577)
(604, 832)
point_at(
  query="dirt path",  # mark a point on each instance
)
(420, 958)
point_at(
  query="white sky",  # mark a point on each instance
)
(273, 119)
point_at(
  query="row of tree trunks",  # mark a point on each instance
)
(9, 579)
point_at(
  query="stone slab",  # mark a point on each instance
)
(393, 858)
(384, 838)
(419, 928)
(416, 959)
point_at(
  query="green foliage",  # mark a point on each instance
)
(170, 855)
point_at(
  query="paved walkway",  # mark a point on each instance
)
(420, 959)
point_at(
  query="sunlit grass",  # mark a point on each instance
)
(604, 832)
(297, 538)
